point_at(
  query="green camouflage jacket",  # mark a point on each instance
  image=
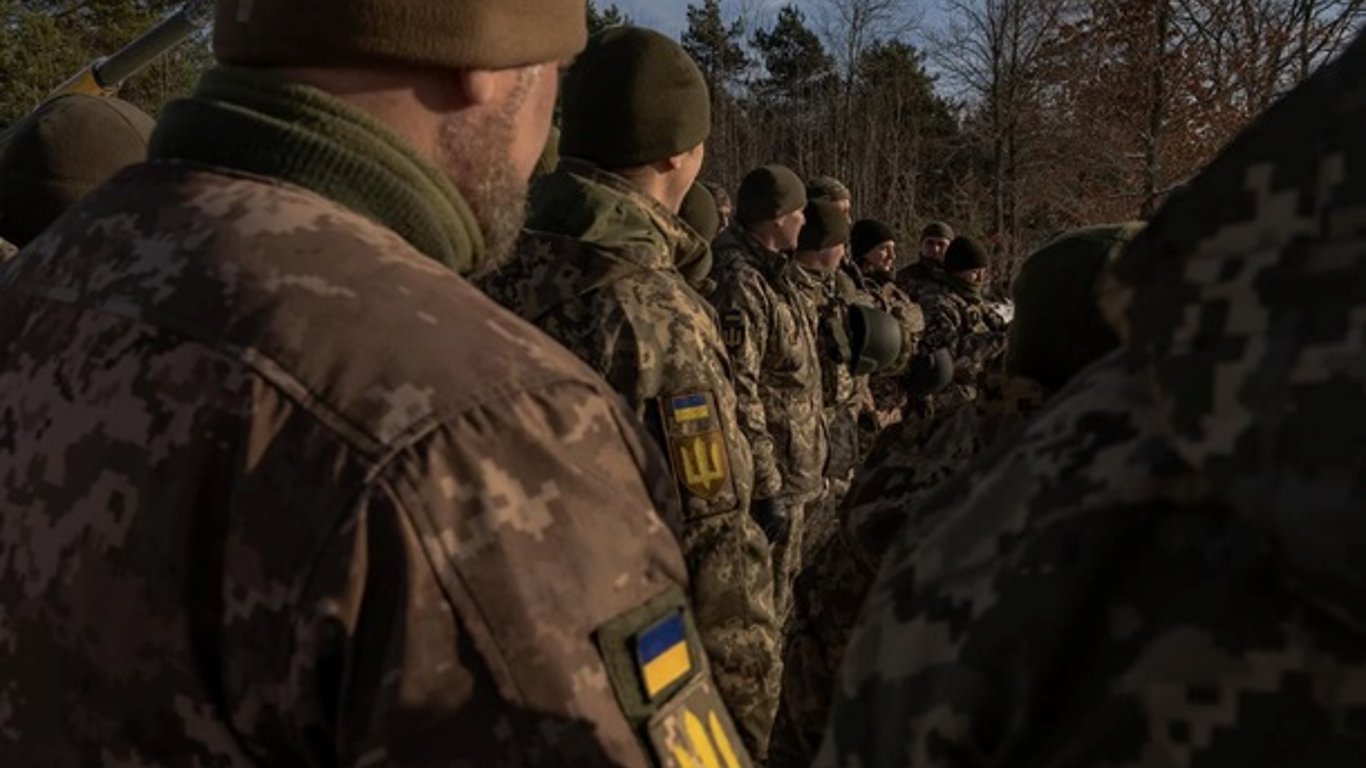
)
(1164, 569)
(775, 352)
(957, 319)
(909, 461)
(600, 276)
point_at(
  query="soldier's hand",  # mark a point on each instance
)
(773, 517)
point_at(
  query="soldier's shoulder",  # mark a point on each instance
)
(319, 300)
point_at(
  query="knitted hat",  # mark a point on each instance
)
(868, 234)
(458, 34)
(769, 193)
(1058, 327)
(827, 188)
(699, 211)
(633, 97)
(60, 153)
(965, 254)
(825, 227)
(937, 229)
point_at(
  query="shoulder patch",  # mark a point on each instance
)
(697, 446)
(657, 668)
(733, 328)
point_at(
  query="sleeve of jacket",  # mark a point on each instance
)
(744, 313)
(678, 351)
(476, 571)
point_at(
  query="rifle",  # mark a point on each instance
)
(103, 76)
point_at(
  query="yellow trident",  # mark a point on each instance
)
(704, 464)
(711, 748)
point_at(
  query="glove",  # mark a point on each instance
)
(773, 517)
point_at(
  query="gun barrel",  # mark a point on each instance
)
(122, 65)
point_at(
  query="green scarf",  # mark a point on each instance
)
(257, 122)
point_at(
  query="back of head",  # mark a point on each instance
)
(718, 193)
(826, 227)
(768, 193)
(827, 188)
(62, 152)
(633, 97)
(965, 254)
(699, 211)
(1058, 327)
(477, 34)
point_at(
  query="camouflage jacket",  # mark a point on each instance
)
(888, 388)
(1186, 513)
(775, 351)
(277, 489)
(914, 278)
(909, 461)
(603, 282)
(957, 319)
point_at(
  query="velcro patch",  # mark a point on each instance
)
(662, 655)
(695, 731)
(696, 444)
(733, 328)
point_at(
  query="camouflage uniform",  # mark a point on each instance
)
(910, 460)
(616, 299)
(888, 389)
(280, 489)
(825, 298)
(774, 349)
(1163, 569)
(957, 319)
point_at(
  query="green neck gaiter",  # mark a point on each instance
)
(253, 121)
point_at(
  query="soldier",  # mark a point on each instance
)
(774, 352)
(279, 486)
(873, 256)
(832, 190)
(928, 268)
(724, 208)
(958, 320)
(1163, 568)
(58, 154)
(699, 211)
(1056, 292)
(599, 270)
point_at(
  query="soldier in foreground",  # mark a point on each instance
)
(1056, 291)
(775, 355)
(58, 154)
(599, 270)
(279, 487)
(1164, 568)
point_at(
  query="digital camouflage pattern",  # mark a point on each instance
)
(909, 461)
(611, 293)
(825, 297)
(1163, 569)
(277, 489)
(958, 319)
(776, 361)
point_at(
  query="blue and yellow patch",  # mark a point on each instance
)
(662, 655)
(690, 408)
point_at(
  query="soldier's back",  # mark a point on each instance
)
(278, 489)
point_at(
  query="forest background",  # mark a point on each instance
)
(1011, 119)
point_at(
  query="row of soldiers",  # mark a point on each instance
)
(280, 486)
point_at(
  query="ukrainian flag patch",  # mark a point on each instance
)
(690, 408)
(662, 654)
